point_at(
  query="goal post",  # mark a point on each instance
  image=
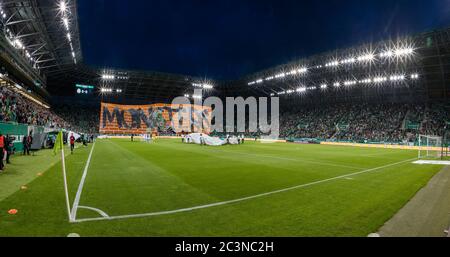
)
(429, 146)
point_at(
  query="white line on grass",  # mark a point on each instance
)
(240, 199)
(287, 159)
(296, 160)
(73, 213)
(94, 209)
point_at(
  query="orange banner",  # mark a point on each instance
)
(154, 118)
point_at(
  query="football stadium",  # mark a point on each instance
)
(347, 142)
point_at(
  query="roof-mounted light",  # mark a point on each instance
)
(62, 6)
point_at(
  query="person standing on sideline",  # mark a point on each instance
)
(84, 140)
(202, 140)
(24, 143)
(27, 141)
(9, 146)
(72, 143)
(132, 137)
(2, 148)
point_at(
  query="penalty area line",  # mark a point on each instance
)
(129, 216)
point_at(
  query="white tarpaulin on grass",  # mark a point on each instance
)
(432, 162)
(214, 141)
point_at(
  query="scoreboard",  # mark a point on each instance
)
(84, 89)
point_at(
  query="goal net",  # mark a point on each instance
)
(430, 146)
(446, 143)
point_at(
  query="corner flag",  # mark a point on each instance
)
(59, 143)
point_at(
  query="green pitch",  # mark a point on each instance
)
(172, 189)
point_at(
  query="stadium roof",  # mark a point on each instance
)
(134, 86)
(406, 67)
(46, 32)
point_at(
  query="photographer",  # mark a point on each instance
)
(27, 141)
(2, 147)
(9, 145)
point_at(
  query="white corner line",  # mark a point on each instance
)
(73, 213)
(102, 213)
(240, 199)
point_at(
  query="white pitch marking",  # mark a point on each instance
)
(240, 199)
(296, 160)
(94, 209)
(73, 213)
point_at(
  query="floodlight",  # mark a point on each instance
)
(66, 22)
(302, 70)
(18, 43)
(403, 51)
(367, 57)
(388, 53)
(350, 60)
(63, 6)
(397, 77)
(281, 75)
(108, 77)
(380, 79)
(350, 83)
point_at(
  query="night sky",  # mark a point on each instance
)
(229, 39)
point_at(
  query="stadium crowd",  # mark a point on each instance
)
(86, 119)
(341, 122)
(365, 122)
(16, 108)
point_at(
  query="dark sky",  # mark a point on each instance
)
(228, 39)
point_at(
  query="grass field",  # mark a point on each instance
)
(262, 189)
